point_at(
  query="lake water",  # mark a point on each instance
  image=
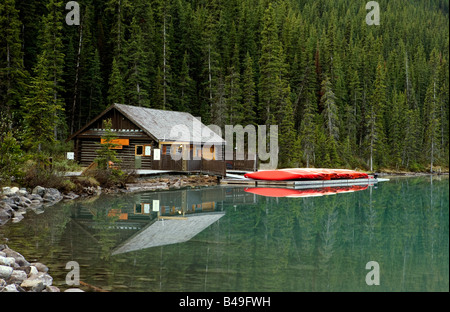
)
(231, 239)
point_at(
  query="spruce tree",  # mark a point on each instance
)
(248, 92)
(13, 75)
(40, 109)
(186, 86)
(52, 57)
(233, 93)
(330, 111)
(272, 69)
(374, 118)
(116, 93)
(138, 82)
(307, 129)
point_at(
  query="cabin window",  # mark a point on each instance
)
(139, 150)
(147, 150)
(167, 147)
(145, 207)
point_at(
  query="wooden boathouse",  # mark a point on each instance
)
(153, 139)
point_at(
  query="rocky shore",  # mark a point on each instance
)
(15, 202)
(18, 275)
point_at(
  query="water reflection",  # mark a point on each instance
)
(234, 239)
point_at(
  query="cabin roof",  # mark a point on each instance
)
(163, 125)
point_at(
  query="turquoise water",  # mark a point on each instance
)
(229, 239)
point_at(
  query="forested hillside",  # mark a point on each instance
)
(343, 93)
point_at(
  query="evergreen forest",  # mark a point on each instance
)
(342, 92)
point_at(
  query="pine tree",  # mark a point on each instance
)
(307, 128)
(93, 84)
(12, 72)
(163, 38)
(233, 93)
(116, 93)
(272, 69)
(431, 124)
(329, 112)
(186, 86)
(106, 154)
(374, 122)
(158, 93)
(52, 57)
(289, 144)
(138, 82)
(248, 92)
(40, 116)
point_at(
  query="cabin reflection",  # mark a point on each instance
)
(151, 219)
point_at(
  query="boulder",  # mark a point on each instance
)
(73, 290)
(20, 260)
(8, 261)
(52, 289)
(4, 216)
(37, 282)
(17, 277)
(40, 267)
(52, 194)
(38, 190)
(10, 288)
(5, 271)
(9, 191)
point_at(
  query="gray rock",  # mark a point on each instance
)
(52, 289)
(17, 218)
(23, 199)
(20, 260)
(10, 288)
(8, 261)
(38, 190)
(37, 281)
(73, 290)
(33, 271)
(40, 267)
(5, 271)
(9, 191)
(52, 192)
(6, 189)
(17, 277)
(4, 216)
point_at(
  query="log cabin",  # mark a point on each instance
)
(153, 139)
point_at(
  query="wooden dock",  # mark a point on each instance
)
(301, 184)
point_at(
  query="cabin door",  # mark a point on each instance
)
(137, 162)
(138, 152)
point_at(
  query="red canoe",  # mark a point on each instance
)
(306, 174)
(284, 192)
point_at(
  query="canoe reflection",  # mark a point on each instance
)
(285, 192)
